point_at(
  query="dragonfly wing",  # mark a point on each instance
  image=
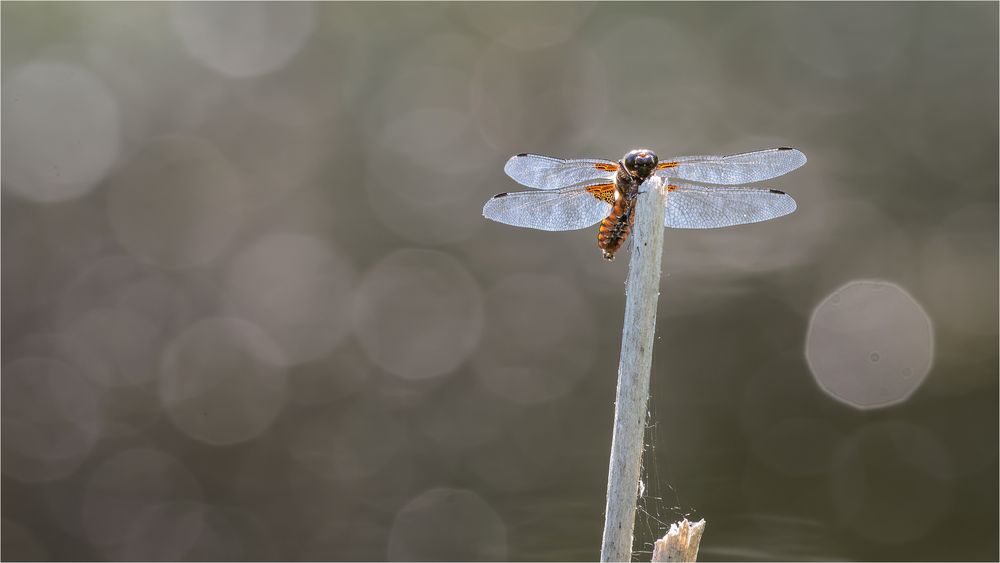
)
(744, 168)
(547, 173)
(709, 207)
(558, 210)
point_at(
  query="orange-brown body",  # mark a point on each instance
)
(632, 171)
(617, 226)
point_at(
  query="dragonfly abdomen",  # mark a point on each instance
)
(616, 227)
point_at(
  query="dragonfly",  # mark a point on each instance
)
(579, 193)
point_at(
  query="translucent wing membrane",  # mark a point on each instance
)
(709, 207)
(558, 210)
(547, 173)
(742, 168)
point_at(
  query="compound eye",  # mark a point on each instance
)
(630, 161)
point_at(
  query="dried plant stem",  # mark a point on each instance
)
(642, 290)
(680, 543)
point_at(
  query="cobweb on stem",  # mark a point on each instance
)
(659, 503)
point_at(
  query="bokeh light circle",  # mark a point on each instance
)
(243, 39)
(418, 314)
(60, 131)
(111, 369)
(870, 344)
(51, 419)
(423, 121)
(222, 381)
(175, 203)
(445, 524)
(297, 288)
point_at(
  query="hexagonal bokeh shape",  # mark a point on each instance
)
(870, 344)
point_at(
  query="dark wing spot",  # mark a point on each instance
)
(505, 194)
(785, 149)
(523, 154)
(777, 192)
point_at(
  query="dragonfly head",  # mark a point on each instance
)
(640, 163)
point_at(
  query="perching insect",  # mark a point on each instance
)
(579, 193)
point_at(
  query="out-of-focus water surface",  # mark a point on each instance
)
(251, 309)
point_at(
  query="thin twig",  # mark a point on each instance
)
(642, 291)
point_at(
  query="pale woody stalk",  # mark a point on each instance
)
(642, 291)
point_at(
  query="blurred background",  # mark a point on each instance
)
(251, 309)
